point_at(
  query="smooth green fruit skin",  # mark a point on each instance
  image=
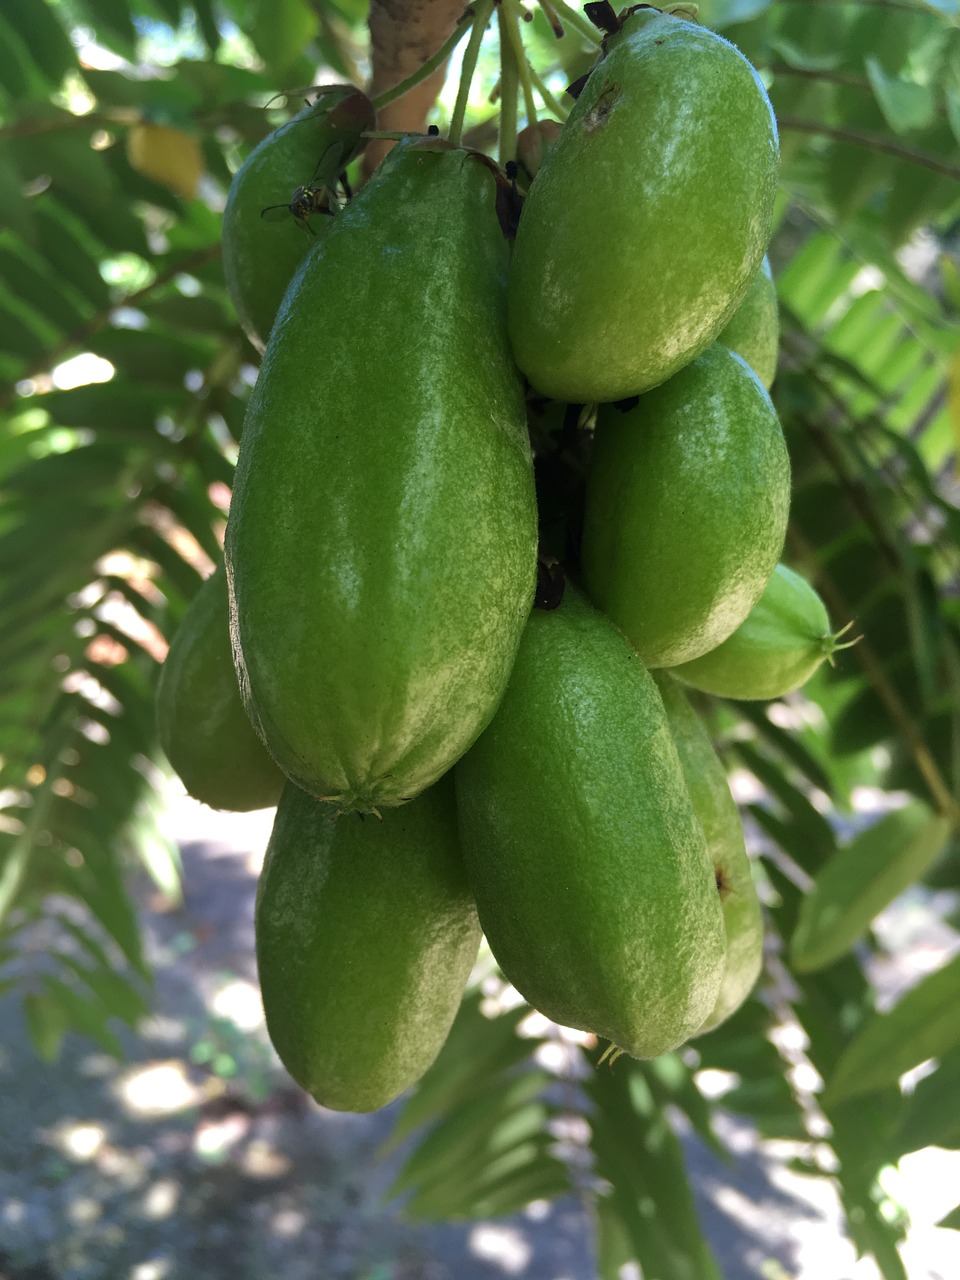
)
(686, 509)
(260, 257)
(776, 649)
(649, 218)
(588, 864)
(383, 531)
(366, 934)
(754, 330)
(715, 807)
(204, 730)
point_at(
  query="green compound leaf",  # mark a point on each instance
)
(924, 1024)
(861, 879)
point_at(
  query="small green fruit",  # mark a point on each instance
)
(366, 935)
(754, 330)
(715, 807)
(649, 217)
(203, 727)
(260, 258)
(776, 649)
(382, 542)
(587, 861)
(686, 509)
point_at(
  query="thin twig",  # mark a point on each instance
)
(83, 333)
(876, 673)
(873, 142)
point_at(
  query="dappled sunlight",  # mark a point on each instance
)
(157, 1089)
(79, 1141)
(504, 1246)
(240, 1002)
(161, 1199)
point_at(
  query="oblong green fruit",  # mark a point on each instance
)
(754, 329)
(715, 807)
(686, 508)
(382, 537)
(203, 728)
(260, 258)
(366, 934)
(649, 218)
(588, 864)
(776, 649)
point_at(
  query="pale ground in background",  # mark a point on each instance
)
(148, 1170)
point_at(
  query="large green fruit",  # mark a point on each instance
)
(588, 864)
(776, 649)
(715, 807)
(686, 508)
(260, 258)
(649, 218)
(382, 536)
(366, 935)
(754, 329)
(203, 727)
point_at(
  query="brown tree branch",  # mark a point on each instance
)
(403, 35)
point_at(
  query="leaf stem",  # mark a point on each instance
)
(431, 65)
(481, 17)
(576, 20)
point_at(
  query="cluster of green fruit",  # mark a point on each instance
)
(527, 773)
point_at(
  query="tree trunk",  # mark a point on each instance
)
(403, 35)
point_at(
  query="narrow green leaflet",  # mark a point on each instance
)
(861, 879)
(924, 1024)
(952, 1220)
(931, 1114)
(648, 1215)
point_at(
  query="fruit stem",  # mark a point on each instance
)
(549, 101)
(431, 65)
(510, 27)
(576, 20)
(509, 88)
(481, 17)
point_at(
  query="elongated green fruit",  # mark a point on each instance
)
(649, 218)
(588, 864)
(382, 537)
(204, 730)
(366, 935)
(686, 509)
(754, 329)
(715, 807)
(776, 649)
(311, 150)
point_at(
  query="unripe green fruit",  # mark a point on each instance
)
(260, 258)
(366, 935)
(588, 864)
(686, 508)
(649, 218)
(776, 649)
(753, 332)
(715, 807)
(382, 540)
(202, 725)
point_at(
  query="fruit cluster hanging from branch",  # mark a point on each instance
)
(450, 427)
